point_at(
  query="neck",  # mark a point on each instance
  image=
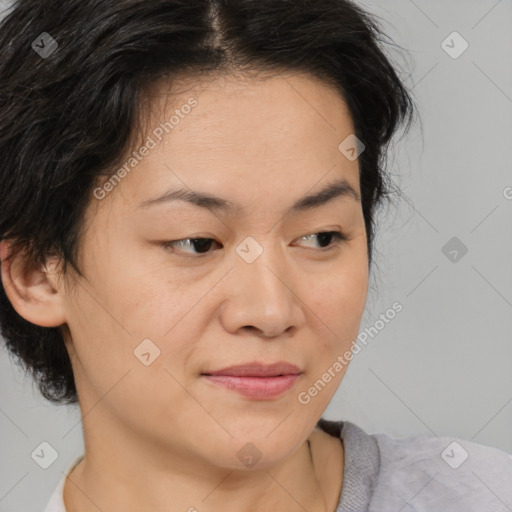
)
(115, 478)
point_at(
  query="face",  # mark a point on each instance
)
(174, 291)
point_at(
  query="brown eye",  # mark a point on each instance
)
(325, 236)
(200, 245)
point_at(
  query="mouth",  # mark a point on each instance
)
(256, 369)
(256, 380)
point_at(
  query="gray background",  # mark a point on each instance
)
(442, 366)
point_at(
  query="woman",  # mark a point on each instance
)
(189, 194)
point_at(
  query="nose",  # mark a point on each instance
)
(262, 296)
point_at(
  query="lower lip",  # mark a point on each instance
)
(260, 388)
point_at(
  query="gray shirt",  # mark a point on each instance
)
(414, 474)
(420, 473)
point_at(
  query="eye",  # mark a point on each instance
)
(324, 236)
(201, 245)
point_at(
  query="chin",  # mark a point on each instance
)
(250, 456)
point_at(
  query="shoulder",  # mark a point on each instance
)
(425, 473)
(421, 473)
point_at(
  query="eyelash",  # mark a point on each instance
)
(339, 238)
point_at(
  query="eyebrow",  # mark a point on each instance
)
(336, 189)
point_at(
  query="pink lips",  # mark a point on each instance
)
(256, 380)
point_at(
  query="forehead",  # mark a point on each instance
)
(243, 135)
(231, 94)
(249, 109)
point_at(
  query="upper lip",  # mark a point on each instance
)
(256, 369)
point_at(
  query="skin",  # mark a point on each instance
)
(161, 436)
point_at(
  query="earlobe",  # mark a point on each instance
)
(34, 292)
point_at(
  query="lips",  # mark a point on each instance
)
(256, 369)
(256, 381)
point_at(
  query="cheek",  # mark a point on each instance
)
(338, 300)
(141, 298)
(128, 372)
(108, 318)
(336, 308)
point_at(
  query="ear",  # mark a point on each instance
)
(34, 292)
